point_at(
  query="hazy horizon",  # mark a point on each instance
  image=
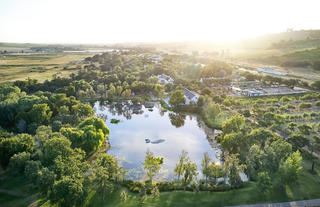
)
(124, 21)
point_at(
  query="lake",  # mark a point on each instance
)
(180, 132)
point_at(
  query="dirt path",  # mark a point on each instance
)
(314, 202)
(10, 192)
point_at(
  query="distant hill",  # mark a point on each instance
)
(304, 58)
(285, 40)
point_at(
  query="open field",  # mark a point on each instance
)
(41, 66)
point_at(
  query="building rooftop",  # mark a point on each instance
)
(190, 94)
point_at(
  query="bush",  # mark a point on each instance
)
(167, 186)
(133, 186)
(310, 96)
(18, 162)
(305, 105)
(246, 113)
(289, 106)
(318, 103)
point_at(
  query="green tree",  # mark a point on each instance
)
(215, 171)
(18, 162)
(112, 90)
(114, 170)
(305, 129)
(74, 135)
(213, 110)
(31, 170)
(95, 133)
(54, 147)
(292, 126)
(264, 182)
(103, 180)
(190, 172)
(42, 134)
(152, 164)
(40, 114)
(275, 152)
(45, 181)
(14, 145)
(234, 124)
(233, 168)
(179, 169)
(290, 168)
(177, 98)
(298, 141)
(82, 110)
(68, 192)
(205, 164)
(254, 161)
(119, 90)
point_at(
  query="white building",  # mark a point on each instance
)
(270, 70)
(164, 79)
(191, 96)
(157, 57)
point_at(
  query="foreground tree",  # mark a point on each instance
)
(152, 165)
(68, 192)
(177, 98)
(290, 168)
(254, 161)
(298, 141)
(190, 172)
(14, 145)
(234, 124)
(206, 166)
(179, 169)
(95, 133)
(264, 182)
(233, 168)
(215, 171)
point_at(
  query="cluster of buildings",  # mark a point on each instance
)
(191, 96)
(255, 88)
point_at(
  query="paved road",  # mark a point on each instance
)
(315, 202)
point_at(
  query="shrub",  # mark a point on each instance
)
(246, 113)
(305, 105)
(18, 162)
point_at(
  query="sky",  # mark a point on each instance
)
(115, 21)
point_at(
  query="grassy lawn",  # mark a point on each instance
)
(40, 66)
(18, 184)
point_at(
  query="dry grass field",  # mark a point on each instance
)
(41, 66)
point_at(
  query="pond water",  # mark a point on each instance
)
(179, 132)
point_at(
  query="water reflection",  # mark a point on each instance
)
(177, 120)
(180, 132)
